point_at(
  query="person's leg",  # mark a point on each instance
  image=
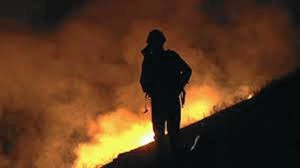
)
(158, 128)
(158, 125)
(158, 122)
(173, 127)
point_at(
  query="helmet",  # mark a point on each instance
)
(156, 36)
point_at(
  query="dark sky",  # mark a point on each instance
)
(38, 13)
(49, 13)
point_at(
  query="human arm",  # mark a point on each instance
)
(146, 78)
(184, 71)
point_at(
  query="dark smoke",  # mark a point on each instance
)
(53, 84)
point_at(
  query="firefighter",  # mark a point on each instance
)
(163, 78)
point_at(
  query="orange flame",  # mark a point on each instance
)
(123, 130)
(119, 132)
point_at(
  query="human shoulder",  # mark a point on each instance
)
(172, 53)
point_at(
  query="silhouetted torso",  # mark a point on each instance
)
(164, 74)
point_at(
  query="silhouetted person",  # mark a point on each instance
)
(163, 77)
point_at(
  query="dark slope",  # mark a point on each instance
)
(261, 132)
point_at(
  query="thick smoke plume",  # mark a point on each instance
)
(54, 85)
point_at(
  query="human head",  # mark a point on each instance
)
(156, 39)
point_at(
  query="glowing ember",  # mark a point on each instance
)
(250, 96)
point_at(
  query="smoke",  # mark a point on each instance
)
(53, 85)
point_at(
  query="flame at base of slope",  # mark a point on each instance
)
(121, 131)
(114, 133)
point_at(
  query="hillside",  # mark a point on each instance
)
(259, 132)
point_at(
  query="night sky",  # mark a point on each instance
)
(45, 14)
(42, 14)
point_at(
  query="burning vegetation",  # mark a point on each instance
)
(120, 131)
(72, 97)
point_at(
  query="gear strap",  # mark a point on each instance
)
(182, 98)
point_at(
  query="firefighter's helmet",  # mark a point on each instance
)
(156, 36)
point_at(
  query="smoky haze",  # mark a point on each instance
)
(54, 84)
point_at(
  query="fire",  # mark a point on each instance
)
(114, 133)
(147, 139)
(200, 103)
(123, 130)
(250, 96)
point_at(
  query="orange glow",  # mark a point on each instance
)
(147, 139)
(119, 131)
(123, 130)
(200, 101)
(250, 96)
